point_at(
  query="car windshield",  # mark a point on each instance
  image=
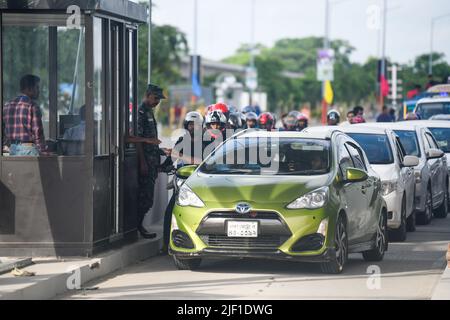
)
(270, 156)
(409, 142)
(442, 135)
(376, 147)
(427, 110)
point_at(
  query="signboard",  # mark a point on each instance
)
(251, 78)
(325, 65)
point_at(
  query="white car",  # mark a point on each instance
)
(435, 106)
(432, 176)
(396, 170)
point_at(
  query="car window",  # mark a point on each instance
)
(431, 141)
(409, 142)
(442, 135)
(357, 157)
(428, 110)
(345, 160)
(376, 146)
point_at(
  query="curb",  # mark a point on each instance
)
(7, 266)
(442, 290)
(49, 287)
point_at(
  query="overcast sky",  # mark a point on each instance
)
(225, 24)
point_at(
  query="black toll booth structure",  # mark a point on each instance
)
(81, 197)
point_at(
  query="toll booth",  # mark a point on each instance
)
(79, 198)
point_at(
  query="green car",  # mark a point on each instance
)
(307, 197)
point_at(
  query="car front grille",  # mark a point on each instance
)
(262, 242)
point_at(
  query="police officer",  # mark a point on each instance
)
(149, 154)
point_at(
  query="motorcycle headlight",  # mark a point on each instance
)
(388, 187)
(313, 200)
(187, 198)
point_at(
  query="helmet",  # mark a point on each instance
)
(235, 121)
(248, 109)
(193, 116)
(232, 109)
(303, 121)
(215, 117)
(291, 122)
(333, 117)
(220, 107)
(357, 120)
(251, 116)
(266, 121)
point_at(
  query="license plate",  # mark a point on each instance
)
(242, 229)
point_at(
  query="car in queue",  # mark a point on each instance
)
(396, 170)
(431, 174)
(308, 196)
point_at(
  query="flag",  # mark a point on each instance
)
(329, 94)
(384, 86)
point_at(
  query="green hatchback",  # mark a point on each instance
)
(308, 197)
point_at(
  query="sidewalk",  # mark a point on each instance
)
(56, 276)
(442, 290)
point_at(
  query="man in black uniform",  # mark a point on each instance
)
(149, 154)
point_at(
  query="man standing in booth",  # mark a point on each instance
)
(149, 154)
(22, 121)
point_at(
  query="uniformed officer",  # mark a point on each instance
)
(149, 154)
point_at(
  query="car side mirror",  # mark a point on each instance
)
(186, 172)
(435, 154)
(411, 161)
(355, 175)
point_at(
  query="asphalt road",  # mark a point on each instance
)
(410, 270)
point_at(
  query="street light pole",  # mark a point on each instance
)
(252, 44)
(433, 22)
(383, 50)
(149, 76)
(326, 45)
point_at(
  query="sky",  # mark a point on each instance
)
(224, 25)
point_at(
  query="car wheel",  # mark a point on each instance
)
(381, 242)
(187, 264)
(411, 222)
(425, 217)
(336, 265)
(400, 233)
(442, 211)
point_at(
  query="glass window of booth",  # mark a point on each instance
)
(43, 85)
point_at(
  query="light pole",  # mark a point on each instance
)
(252, 48)
(433, 22)
(149, 76)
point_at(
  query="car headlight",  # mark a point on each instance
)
(388, 187)
(187, 198)
(323, 227)
(313, 200)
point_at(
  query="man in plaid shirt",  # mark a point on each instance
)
(22, 120)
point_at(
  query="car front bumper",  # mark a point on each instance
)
(326, 256)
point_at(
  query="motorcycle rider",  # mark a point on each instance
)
(333, 118)
(266, 121)
(251, 120)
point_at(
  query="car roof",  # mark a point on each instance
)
(435, 99)
(402, 125)
(255, 133)
(434, 123)
(363, 129)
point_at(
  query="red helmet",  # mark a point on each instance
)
(266, 121)
(220, 107)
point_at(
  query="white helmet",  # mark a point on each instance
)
(193, 116)
(216, 116)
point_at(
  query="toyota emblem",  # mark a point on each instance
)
(243, 208)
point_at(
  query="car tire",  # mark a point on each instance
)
(399, 234)
(336, 265)
(411, 222)
(381, 242)
(442, 211)
(424, 218)
(187, 264)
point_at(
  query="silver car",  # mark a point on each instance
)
(396, 170)
(431, 174)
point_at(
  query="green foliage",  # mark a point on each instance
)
(169, 45)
